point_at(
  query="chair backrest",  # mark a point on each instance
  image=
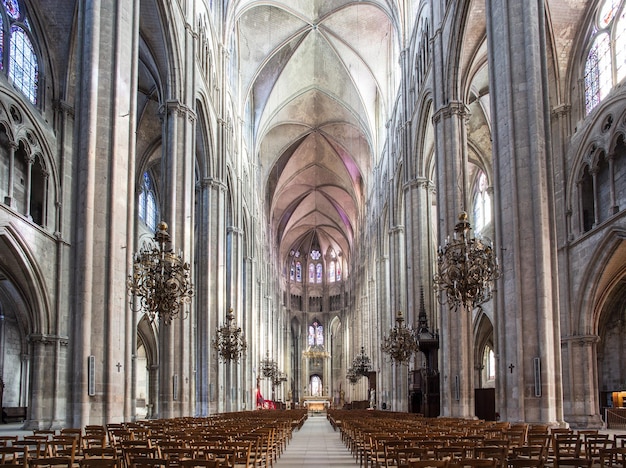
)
(50, 462)
(14, 455)
(100, 452)
(427, 463)
(198, 463)
(567, 446)
(99, 463)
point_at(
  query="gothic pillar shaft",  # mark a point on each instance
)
(108, 39)
(526, 312)
(457, 357)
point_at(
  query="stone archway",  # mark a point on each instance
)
(611, 355)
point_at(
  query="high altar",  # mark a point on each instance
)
(316, 396)
(316, 404)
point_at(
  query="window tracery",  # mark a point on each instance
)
(147, 207)
(605, 64)
(17, 52)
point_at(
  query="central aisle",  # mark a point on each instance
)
(316, 444)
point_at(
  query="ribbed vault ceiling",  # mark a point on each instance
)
(318, 75)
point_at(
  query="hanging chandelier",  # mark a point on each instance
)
(401, 342)
(160, 279)
(361, 363)
(229, 341)
(278, 378)
(352, 376)
(268, 366)
(467, 268)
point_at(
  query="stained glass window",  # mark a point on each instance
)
(482, 203)
(318, 276)
(311, 273)
(620, 47)
(338, 271)
(331, 271)
(12, 8)
(292, 272)
(147, 209)
(316, 334)
(1, 43)
(22, 67)
(605, 66)
(298, 272)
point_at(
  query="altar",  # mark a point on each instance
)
(316, 404)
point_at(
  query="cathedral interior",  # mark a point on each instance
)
(307, 168)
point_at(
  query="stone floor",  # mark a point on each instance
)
(316, 444)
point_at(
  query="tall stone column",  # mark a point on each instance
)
(527, 330)
(102, 240)
(177, 210)
(457, 357)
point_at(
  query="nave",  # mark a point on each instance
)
(316, 444)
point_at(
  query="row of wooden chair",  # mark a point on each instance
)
(379, 440)
(254, 439)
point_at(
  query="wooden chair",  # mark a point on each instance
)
(196, 463)
(14, 455)
(428, 464)
(174, 455)
(130, 454)
(476, 463)
(613, 457)
(594, 444)
(499, 454)
(100, 452)
(99, 463)
(525, 463)
(567, 451)
(7, 440)
(406, 455)
(62, 446)
(241, 453)
(50, 462)
(148, 462)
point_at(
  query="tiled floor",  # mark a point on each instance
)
(316, 444)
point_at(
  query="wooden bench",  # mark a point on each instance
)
(13, 414)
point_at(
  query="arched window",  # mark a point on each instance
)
(299, 272)
(491, 365)
(482, 203)
(147, 207)
(587, 200)
(316, 334)
(315, 268)
(604, 66)
(292, 271)
(18, 56)
(331, 271)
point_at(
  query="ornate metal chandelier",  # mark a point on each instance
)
(229, 341)
(467, 268)
(361, 364)
(268, 366)
(352, 376)
(401, 342)
(160, 279)
(278, 378)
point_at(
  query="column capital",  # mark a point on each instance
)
(457, 108)
(45, 339)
